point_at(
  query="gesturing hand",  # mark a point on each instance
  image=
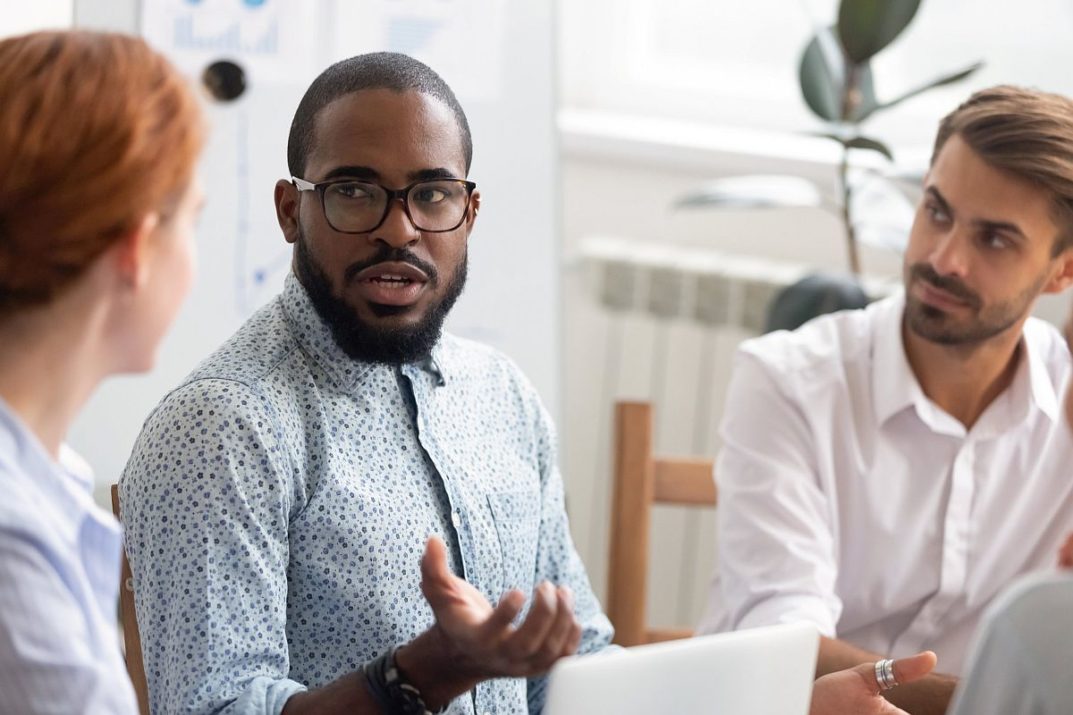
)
(482, 640)
(856, 691)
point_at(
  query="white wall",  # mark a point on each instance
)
(20, 16)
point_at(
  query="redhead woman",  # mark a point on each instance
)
(99, 136)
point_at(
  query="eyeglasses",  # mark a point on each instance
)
(360, 206)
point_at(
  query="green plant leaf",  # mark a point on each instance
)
(937, 82)
(869, 144)
(859, 142)
(823, 71)
(867, 26)
(821, 84)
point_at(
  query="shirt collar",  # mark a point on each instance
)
(896, 387)
(315, 338)
(1044, 392)
(66, 485)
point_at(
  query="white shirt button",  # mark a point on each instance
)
(456, 520)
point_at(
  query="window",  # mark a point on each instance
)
(735, 63)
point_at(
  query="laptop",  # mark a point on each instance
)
(762, 671)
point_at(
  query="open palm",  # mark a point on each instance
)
(484, 639)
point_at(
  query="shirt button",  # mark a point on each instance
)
(457, 521)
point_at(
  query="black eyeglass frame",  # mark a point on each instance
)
(392, 195)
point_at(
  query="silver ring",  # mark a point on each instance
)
(885, 674)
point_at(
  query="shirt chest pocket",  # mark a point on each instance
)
(517, 523)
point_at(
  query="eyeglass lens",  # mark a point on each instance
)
(357, 206)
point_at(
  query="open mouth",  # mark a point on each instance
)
(391, 280)
(396, 283)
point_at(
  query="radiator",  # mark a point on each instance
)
(650, 322)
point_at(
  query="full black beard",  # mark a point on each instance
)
(369, 343)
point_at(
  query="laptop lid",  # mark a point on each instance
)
(761, 671)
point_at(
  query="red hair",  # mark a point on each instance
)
(96, 130)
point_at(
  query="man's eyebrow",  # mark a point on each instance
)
(1002, 226)
(938, 198)
(366, 173)
(980, 223)
(432, 174)
(363, 173)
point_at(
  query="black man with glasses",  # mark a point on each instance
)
(279, 503)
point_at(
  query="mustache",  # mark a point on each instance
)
(386, 254)
(948, 284)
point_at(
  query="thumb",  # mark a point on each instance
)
(915, 667)
(1065, 557)
(435, 576)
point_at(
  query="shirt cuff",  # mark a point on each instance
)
(265, 696)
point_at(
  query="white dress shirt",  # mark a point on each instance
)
(1021, 663)
(851, 500)
(59, 584)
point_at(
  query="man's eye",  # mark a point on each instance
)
(996, 241)
(352, 191)
(430, 195)
(936, 212)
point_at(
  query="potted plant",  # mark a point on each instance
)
(839, 88)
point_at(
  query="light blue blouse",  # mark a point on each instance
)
(59, 584)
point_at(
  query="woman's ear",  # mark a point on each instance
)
(132, 252)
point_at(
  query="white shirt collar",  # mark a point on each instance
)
(896, 387)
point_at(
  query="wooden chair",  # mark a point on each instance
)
(135, 664)
(642, 480)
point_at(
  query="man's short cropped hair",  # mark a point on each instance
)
(375, 70)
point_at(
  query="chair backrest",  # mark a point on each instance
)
(641, 480)
(135, 665)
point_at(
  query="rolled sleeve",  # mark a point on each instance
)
(206, 500)
(776, 551)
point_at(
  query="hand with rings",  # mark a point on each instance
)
(859, 691)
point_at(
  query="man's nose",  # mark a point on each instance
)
(950, 256)
(396, 230)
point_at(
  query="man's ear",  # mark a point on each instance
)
(286, 198)
(474, 208)
(132, 251)
(1064, 276)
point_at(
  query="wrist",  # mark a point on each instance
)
(431, 665)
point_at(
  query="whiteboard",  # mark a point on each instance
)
(502, 74)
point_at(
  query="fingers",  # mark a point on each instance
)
(1065, 556)
(526, 641)
(508, 608)
(561, 630)
(549, 631)
(915, 667)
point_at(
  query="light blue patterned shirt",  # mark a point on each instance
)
(59, 585)
(278, 503)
